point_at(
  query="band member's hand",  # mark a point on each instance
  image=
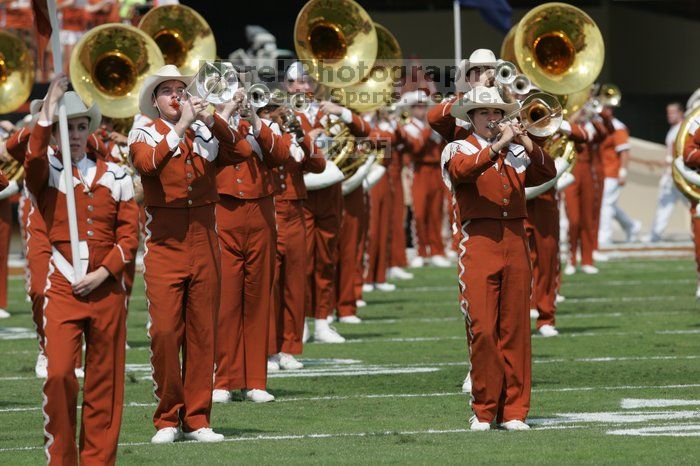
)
(314, 133)
(118, 138)
(606, 114)
(190, 109)
(508, 131)
(252, 117)
(329, 108)
(57, 87)
(7, 126)
(90, 282)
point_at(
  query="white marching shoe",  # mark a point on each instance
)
(287, 362)
(41, 368)
(440, 261)
(367, 287)
(534, 313)
(323, 333)
(361, 303)
(307, 333)
(385, 286)
(451, 255)
(632, 234)
(167, 435)
(397, 273)
(467, 385)
(515, 424)
(476, 425)
(220, 396)
(258, 396)
(4, 314)
(205, 435)
(560, 298)
(273, 364)
(350, 320)
(330, 318)
(79, 373)
(697, 292)
(548, 331)
(570, 269)
(589, 269)
(417, 262)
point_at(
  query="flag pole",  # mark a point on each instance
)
(65, 147)
(456, 11)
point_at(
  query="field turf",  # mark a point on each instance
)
(620, 385)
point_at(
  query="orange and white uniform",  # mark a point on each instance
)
(107, 228)
(691, 157)
(245, 216)
(182, 268)
(494, 268)
(289, 290)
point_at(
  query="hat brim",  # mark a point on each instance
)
(145, 103)
(93, 114)
(463, 106)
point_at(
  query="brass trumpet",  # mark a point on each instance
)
(540, 115)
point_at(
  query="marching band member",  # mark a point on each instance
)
(177, 155)
(288, 291)
(94, 306)
(614, 151)
(427, 192)
(73, 26)
(245, 218)
(323, 212)
(487, 174)
(669, 194)
(691, 157)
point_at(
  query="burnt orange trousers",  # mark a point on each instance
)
(182, 274)
(247, 235)
(287, 316)
(362, 256)
(323, 211)
(37, 251)
(379, 235)
(599, 183)
(397, 252)
(580, 208)
(101, 319)
(695, 228)
(543, 236)
(5, 235)
(350, 251)
(428, 194)
(494, 281)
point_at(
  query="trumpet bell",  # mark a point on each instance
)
(506, 73)
(541, 114)
(16, 72)
(258, 95)
(610, 95)
(216, 82)
(337, 40)
(108, 66)
(559, 47)
(182, 34)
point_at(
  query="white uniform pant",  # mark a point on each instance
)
(669, 195)
(610, 211)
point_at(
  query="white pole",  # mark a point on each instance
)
(65, 147)
(457, 10)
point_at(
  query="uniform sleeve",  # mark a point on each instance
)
(275, 151)
(575, 132)
(384, 140)
(621, 138)
(413, 143)
(17, 144)
(98, 147)
(233, 148)
(314, 161)
(691, 150)
(541, 168)
(36, 162)
(126, 230)
(599, 131)
(440, 119)
(150, 159)
(357, 126)
(466, 168)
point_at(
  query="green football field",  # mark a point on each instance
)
(621, 384)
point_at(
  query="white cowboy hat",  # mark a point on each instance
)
(75, 108)
(479, 57)
(481, 97)
(411, 98)
(295, 71)
(166, 73)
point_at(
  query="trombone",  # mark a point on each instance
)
(540, 114)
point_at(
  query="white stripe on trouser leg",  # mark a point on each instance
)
(47, 419)
(146, 241)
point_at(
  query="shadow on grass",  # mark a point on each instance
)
(587, 329)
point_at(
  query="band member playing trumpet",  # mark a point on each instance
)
(94, 306)
(177, 155)
(487, 173)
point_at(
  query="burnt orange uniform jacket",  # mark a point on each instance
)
(323, 210)
(289, 290)
(691, 157)
(494, 266)
(107, 229)
(182, 259)
(245, 218)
